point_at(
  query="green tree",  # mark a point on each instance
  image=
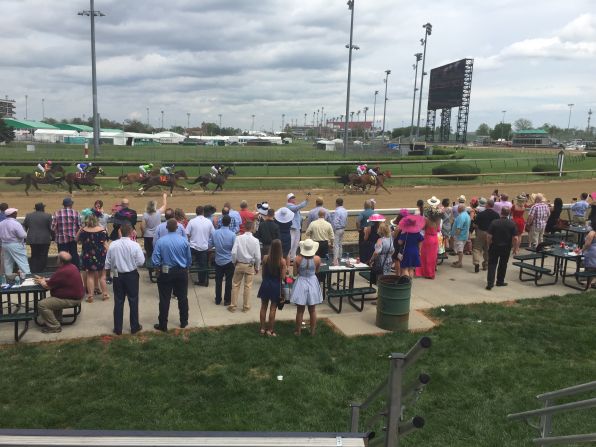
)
(522, 124)
(137, 126)
(501, 130)
(178, 129)
(483, 130)
(6, 133)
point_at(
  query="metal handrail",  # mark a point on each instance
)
(569, 391)
(570, 439)
(550, 410)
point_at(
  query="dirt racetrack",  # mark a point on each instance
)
(399, 197)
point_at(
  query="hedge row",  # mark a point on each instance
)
(456, 168)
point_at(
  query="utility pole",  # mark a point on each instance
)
(569, 121)
(187, 121)
(219, 115)
(283, 118)
(428, 28)
(365, 129)
(350, 47)
(305, 120)
(374, 114)
(92, 13)
(589, 119)
(387, 73)
(162, 128)
(43, 109)
(148, 116)
(418, 57)
(503, 122)
(252, 127)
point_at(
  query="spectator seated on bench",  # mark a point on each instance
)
(589, 251)
(66, 291)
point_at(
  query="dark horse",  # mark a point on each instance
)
(364, 182)
(135, 177)
(51, 178)
(164, 180)
(85, 179)
(219, 179)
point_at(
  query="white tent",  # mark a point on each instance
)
(53, 135)
(167, 137)
(326, 145)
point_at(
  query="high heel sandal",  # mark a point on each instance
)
(105, 297)
(90, 299)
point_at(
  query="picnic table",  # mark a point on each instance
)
(562, 256)
(580, 230)
(338, 283)
(19, 304)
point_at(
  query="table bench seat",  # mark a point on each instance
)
(528, 257)
(16, 318)
(535, 272)
(351, 294)
(194, 268)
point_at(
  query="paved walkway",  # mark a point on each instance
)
(451, 286)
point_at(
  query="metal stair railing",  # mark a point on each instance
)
(544, 425)
(397, 396)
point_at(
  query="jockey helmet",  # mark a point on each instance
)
(49, 162)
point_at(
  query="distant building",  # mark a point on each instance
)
(533, 138)
(7, 107)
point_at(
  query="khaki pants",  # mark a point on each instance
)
(244, 272)
(480, 249)
(535, 235)
(50, 310)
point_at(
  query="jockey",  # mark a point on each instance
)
(167, 170)
(361, 170)
(145, 169)
(373, 173)
(216, 170)
(44, 167)
(83, 167)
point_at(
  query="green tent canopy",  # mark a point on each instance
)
(27, 125)
(76, 127)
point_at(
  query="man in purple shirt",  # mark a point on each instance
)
(12, 235)
(503, 203)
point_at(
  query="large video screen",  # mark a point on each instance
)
(446, 85)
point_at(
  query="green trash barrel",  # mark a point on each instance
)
(393, 302)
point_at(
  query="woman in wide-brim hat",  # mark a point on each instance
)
(283, 217)
(307, 290)
(411, 240)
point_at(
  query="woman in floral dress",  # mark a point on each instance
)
(94, 240)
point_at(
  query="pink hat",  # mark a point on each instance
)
(404, 212)
(593, 195)
(376, 218)
(412, 223)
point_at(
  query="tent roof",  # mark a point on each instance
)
(77, 127)
(111, 130)
(531, 131)
(26, 124)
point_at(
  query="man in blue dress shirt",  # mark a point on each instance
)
(296, 222)
(172, 254)
(223, 240)
(339, 219)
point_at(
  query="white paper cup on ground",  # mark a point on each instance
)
(280, 378)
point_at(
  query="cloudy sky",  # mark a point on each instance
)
(243, 57)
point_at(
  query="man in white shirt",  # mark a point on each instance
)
(199, 231)
(246, 256)
(124, 256)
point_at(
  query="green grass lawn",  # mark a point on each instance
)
(486, 361)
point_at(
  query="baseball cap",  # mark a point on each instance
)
(291, 196)
(67, 201)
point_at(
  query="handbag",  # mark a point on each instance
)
(379, 267)
(400, 255)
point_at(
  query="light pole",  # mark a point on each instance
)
(589, 119)
(569, 121)
(162, 128)
(418, 57)
(92, 13)
(365, 129)
(387, 73)
(374, 113)
(219, 115)
(26, 107)
(43, 109)
(252, 127)
(428, 28)
(187, 121)
(503, 122)
(305, 120)
(147, 116)
(283, 118)
(350, 47)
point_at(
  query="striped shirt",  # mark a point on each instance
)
(65, 224)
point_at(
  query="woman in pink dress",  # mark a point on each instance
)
(430, 246)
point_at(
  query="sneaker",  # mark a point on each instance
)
(489, 287)
(139, 329)
(51, 330)
(503, 284)
(157, 327)
(476, 268)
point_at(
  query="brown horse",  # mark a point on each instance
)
(83, 178)
(51, 178)
(219, 179)
(164, 180)
(135, 177)
(366, 181)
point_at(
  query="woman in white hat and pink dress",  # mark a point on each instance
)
(429, 249)
(307, 290)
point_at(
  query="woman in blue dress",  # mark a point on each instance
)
(411, 239)
(273, 271)
(307, 290)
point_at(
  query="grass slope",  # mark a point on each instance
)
(486, 361)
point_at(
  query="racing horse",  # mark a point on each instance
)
(365, 182)
(79, 179)
(51, 178)
(164, 180)
(219, 180)
(135, 177)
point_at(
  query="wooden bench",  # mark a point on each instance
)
(16, 318)
(535, 273)
(351, 294)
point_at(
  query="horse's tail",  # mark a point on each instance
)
(121, 178)
(344, 179)
(15, 181)
(195, 181)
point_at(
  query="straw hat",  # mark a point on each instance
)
(433, 201)
(376, 218)
(412, 223)
(482, 201)
(308, 247)
(284, 215)
(461, 199)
